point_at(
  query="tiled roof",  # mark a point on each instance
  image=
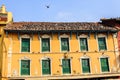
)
(56, 26)
(104, 19)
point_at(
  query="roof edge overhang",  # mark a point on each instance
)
(56, 31)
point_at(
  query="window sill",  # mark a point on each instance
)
(66, 74)
(25, 52)
(46, 74)
(83, 51)
(86, 73)
(65, 51)
(46, 52)
(105, 72)
(25, 75)
(102, 50)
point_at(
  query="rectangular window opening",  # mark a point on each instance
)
(83, 44)
(45, 44)
(66, 66)
(64, 44)
(46, 68)
(85, 66)
(25, 67)
(104, 64)
(25, 45)
(102, 43)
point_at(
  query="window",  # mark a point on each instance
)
(66, 66)
(104, 64)
(46, 68)
(45, 45)
(102, 43)
(85, 65)
(25, 67)
(25, 45)
(83, 44)
(64, 44)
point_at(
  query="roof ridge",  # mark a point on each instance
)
(55, 22)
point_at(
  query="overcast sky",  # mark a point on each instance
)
(62, 10)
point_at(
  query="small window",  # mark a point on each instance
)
(45, 44)
(66, 68)
(46, 68)
(83, 44)
(25, 45)
(102, 43)
(25, 67)
(104, 64)
(64, 44)
(85, 65)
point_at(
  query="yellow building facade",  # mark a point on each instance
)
(5, 17)
(59, 51)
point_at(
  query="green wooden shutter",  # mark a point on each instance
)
(25, 67)
(66, 66)
(25, 45)
(104, 65)
(83, 44)
(102, 43)
(85, 66)
(45, 45)
(64, 44)
(46, 69)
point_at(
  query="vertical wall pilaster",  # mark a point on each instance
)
(9, 58)
(115, 42)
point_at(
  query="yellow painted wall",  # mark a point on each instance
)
(56, 55)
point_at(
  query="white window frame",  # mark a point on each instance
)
(64, 36)
(45, 36)
(27, 37)
(86, 57)
(105, 56)
(102, 36)
(62, 64)
(46, 58)
(83, 36)
(24, 58)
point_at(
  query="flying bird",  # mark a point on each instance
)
(47, 6)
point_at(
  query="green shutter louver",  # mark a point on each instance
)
(66, 66)
(104, 64)
(25, 67)
(46, 69)
(102, 43)
(45, 45)
(83, 44)
(85, 66)
(25, 45)
(64, 44)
